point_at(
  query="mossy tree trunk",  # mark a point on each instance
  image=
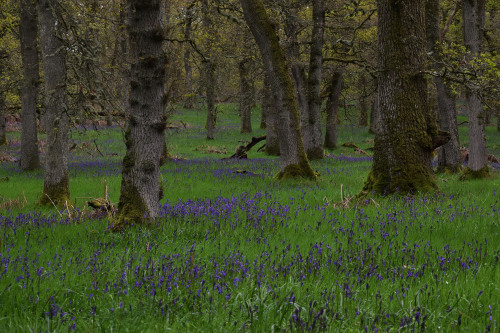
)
(188, 70)
(56, 179)
(246, 96)
(473, 20)
(408, 131)
(374, 115)
(144, 137)
(269, 111)
(3, 132)
(209, 68)
(449, 155)
(293, 158)
(332, 108)
(313, 142)
(363, 104)
(28, 32)
(209, 81)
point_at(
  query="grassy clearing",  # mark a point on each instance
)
(241, 252)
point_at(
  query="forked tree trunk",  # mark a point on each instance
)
(408, 132)
(28, 32)
(477, 166)
(246, 97)
(312, 126)
(144, 137)
(332, 109)
(56, 179)
(449, 155)
(293, 158)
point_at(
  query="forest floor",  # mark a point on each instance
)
(235, 250)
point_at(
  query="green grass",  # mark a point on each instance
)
(242, 252)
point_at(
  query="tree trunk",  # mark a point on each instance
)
(3, 132)
(209, 71)
(473, 18)
(269, 107)
(363, 104)
(144, 137)
(312, 140)
(246, 97)
(188, 71)
(408, 132)
(374, 116)
(332, 108)
(449, 155)
(293, 158)
(28, 32)
(56, 179)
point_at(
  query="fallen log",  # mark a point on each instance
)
(241, 151)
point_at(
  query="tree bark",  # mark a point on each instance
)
(56, 179)
(332, 108)
(293, 158)
(209, 79)
(188, 70)
(374, 116)
(269, 107)
(408, 132)
(246, 97)
(209, 71)
(28, 32)
(449, 154)
(3, 132)
(473, 18)
(363, 105)
(144, 137)
(313, 143)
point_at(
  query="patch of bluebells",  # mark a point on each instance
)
(313, 264)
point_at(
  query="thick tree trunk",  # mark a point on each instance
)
(28, 32)
(56, 179)
(332, 108)
(144, 137)
(363, 104)
(408, 132)
(449, 155)
(188, 71)
(293, 158)
(246, 97)
(473, 18)
(269, 107)
(312, 131)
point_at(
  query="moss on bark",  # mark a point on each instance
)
(131, 209)
(468, 173)
(57, 195)
(297, 171)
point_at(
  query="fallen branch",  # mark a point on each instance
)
(241, 151)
